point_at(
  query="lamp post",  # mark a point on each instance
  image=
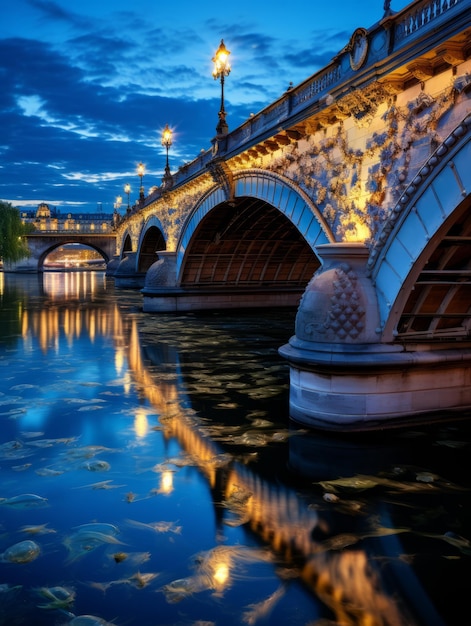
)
(167, 142)
(140, 172)
(117, 206)
(127, 190)
(222, 68)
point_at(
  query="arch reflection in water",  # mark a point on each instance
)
(349, 582)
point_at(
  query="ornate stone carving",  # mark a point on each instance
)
(222, 175)
(361, 104)
(435, 160)
(358, 48)
(462, 83)
(422, 102)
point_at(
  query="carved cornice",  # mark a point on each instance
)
(452, 53)
(422, 70)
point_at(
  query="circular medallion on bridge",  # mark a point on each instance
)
(358, 48)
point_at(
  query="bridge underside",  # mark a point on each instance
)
(248, 242)
(439, 304)
(245, 253)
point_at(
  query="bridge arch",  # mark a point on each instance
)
(422, 264)
(67, 241)
(127, 245)
(259, 225)
(151, 240)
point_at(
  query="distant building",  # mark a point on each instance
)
(47, 219)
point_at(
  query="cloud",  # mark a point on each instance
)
(54, 11)
(86, 92)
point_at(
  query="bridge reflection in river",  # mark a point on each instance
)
(190, 413)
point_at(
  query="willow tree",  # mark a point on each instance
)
(13, 245)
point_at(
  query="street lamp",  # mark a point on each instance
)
(140, 172)
(222, 68)
(117, 206)
(167, 142)
(127, 189)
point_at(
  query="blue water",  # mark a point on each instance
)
(170, 435)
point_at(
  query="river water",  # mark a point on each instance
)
(150, 476)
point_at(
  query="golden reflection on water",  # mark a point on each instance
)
(141, 424)
(166, 482)
(67, 285)
(273, 512)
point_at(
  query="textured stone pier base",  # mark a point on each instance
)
(343, 376)
(376, 387)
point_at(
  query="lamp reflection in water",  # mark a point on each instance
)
(141, 424)
(166, 482)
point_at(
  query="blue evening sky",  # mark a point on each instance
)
(88, 85)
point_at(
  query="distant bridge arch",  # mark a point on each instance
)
(42, 243)
(46, 252)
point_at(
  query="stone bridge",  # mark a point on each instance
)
(41, 244)
(348, 197)
(52, 229)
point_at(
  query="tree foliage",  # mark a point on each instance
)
(13, 245)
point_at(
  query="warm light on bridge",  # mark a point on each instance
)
(358, 232)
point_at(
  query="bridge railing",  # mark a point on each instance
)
(40, 232)
(410, 21)
(313, 93)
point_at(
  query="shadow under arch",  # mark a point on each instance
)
(420, 264)
(258, 226)
(151, 240)
(127, 245)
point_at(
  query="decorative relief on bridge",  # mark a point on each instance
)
(355, 183)
(426, 170)
(358, 48)
(171, 209)
(222, 175)
(362, 104)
